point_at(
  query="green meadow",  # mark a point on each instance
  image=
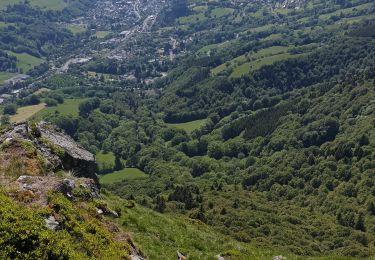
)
(69, 107)
(43, 4)
(26, 61)
(121, 175)
(189, 126)
(105, 161)
(220, 12)
(102, 34)
(161, 235)
(76, 28)
(258, 56)
(5, 76)
(24, 113)
(192, 19)
(346, 11)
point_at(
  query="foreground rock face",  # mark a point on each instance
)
(76, 158)
(59, 150)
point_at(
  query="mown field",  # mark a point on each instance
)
(24, 113)
(246, 63)
(124, 174)
(69, 107)
(76, 28)
(25, 61)
(189, 126)
(6, 75)
(191, 19)
(44, 4)
(4, 24)
(102, 34)
(220, 12)
(105, 161)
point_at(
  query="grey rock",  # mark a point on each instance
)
(69, 183)
(75, 158)
(67, 186)
(51, 223)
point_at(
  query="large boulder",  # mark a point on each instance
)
(75, 158)
(58, 149)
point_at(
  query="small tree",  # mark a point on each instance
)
(360, 224)
(50, 102)
(5, 120)
(10, 109)
(371, 208)
(118, 164)
(160, 204)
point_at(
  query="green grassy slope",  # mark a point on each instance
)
(161, 235)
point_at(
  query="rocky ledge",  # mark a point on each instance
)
(59, 151)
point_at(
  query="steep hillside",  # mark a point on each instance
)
(235, 129)
(48, 210)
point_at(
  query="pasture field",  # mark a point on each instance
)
(273, 50)
(105, 160)
(189, 126)
(26, 61)
(346, 11)
(220, 12)
(43, 4)
(191, 19)
(50, 4)
(124, 174)
(69, 107)
(6, 75)
(41, 90)
(257, 64)
(216, 46)
(102, 34)
(3, 24)
(76, 28)
(200, 8)
(5, 3)
(24, 113)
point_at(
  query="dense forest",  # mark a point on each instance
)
(261, 126)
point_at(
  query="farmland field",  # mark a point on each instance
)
(220, 12)
(6, 75)
(69, 107)
(43, 4)
(26, 61)
(41, 90)
(3, 24)
(24, 113)
(258, 55)
(345, 11)
(102, 34)
(192, 18)
(189, 126)
(105, 160)
(257, 64)
(76, 28)
(124, 174)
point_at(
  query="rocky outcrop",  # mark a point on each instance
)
(75, 158)
(59, 150)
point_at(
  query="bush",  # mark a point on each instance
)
(10, 109)
(50, 102)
